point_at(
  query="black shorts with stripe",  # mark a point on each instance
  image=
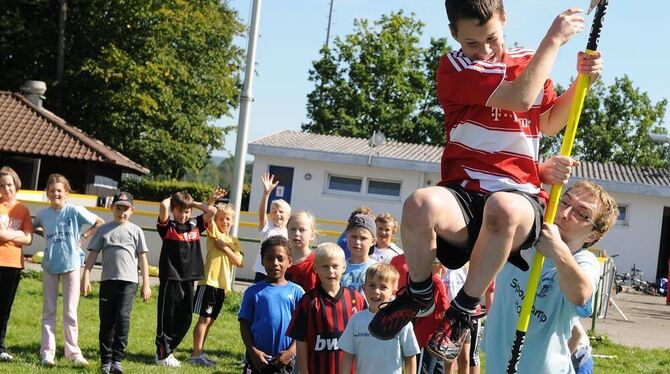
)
(208, 301)
(472, 208)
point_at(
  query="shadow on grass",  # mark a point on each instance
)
(30, 354)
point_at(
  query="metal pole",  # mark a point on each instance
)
(330, 19)
(245, 107)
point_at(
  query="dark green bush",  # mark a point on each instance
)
(157, 190)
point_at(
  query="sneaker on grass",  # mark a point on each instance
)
(48, 361)
(106, 368)
(79, 360)
(117, 368)
(396, 314)
(4, 356)
(169, 361)
(201, 360)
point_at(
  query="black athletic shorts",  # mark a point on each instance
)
(208, 301)
(472, 207)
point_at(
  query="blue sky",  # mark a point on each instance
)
(635, 41)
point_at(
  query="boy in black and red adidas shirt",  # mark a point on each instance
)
(179, 266)
(323, 313)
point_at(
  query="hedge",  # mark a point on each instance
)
(157, 190)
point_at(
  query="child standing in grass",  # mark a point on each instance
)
(374, 355)
(61, 225)
(123, 248)
(280, 210)
(301, 234)
(266, 311)
(323, 313)
(16, 231)
(223, 252)
(179, 266)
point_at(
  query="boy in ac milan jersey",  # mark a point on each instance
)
(179, 266)
(488, 205)
(323, 313)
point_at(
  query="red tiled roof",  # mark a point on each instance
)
(28, 129)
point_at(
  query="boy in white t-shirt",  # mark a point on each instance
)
(280, 211)
(384, 250)
(374, 355)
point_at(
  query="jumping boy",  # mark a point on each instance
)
(489, 204)
(322, 314)
(266, 310)
(123, 248)
(179, 266)
(371, 354)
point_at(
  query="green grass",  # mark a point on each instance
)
(23, 336)
(224, 343)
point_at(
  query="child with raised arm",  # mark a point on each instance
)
(301, 234)
(384, 249)
(61, 225)
(223, 252)
(180, 264)
(322, 314)
(489, 204)
(124, 249)
(265, 313)
(280, 210)
(360, 238)
(372, 355)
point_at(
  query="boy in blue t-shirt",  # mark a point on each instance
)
(361, 231)
(266, 310)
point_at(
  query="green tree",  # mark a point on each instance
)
(614, 127)
(378, 78)
(143, 76)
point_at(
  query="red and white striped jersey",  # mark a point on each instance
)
(489, 149)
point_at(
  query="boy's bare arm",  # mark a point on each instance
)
(268, 185)
(235, 258)
(284, 357)
(85, 287)
(164, 211)
(555, 119)
(144, 270)
(302, 352)
(410, 364)
(520, 94)
(209, 209)
(347, 362)
(257, 356)
(91, 230)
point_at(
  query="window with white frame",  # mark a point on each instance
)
(622, 219)
(344, 184)
(375, 187)
(385, 188)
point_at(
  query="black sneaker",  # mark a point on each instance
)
(452, 332)
(396, 314)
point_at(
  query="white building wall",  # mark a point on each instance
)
(637, 242)
(313, 195)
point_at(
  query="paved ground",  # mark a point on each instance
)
(648, 324)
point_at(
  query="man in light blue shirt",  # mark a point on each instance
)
(568, 281)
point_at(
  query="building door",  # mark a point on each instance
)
(664, 246)
(283, 190)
